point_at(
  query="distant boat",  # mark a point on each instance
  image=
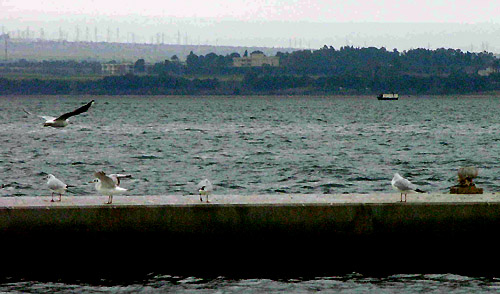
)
(391, 96)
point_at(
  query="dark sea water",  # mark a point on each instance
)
(251, 145)
(350, 283)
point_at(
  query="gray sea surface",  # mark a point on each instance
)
(251, 145)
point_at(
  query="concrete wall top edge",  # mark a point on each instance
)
(235, 205)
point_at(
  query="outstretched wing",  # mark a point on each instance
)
(116, 178)
(45, 117)
(82, 109)
(106, 182)
(48, 118)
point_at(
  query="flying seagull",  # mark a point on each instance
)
(404, 186)
(106, 186)
(204, 188)
(56, 186)
(62, 121)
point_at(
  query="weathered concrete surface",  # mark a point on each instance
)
(353, 213)
(246, 199)
(273, 232)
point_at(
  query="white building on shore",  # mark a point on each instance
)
(117, 68)
(256, 59)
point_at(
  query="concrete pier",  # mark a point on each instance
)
(264, 234)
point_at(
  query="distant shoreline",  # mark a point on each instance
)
(326, 71)
(350, 96)
(251, 84)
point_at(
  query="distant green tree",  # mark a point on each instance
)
(140, 66)
(193, 62)
(250, 80)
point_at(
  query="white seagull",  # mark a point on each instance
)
(404, 186)
(204, 188)
(56, 186)
(62, 121)
(106, 186)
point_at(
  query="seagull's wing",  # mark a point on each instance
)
(120, 176)
(201, 183)
(205, 183)
(47, 118)
(106, 182)
(55, 184)
(209, 187)
(116, 178)
(82, 109)
(403, 184)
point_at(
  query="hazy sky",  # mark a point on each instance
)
(475, 24)
(459, 11)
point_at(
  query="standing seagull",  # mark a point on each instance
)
(62, 121)
(204, 188)
(106, 186)
(404, 186)
(56, 186)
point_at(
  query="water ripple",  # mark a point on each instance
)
(257, 144)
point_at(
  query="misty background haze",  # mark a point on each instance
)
(310, 35)
(402, 25)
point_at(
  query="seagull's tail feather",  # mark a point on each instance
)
(419, 191)
(70, 190)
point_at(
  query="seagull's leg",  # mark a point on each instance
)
(207, 199)
(401, 198)
(52, 197)
(60, 195)
(201, 199)
(406, 195)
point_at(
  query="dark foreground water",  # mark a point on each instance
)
(248, 145)
(350, 283)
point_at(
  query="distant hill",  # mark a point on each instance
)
(120, 52)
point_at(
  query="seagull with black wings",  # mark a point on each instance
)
(62, 121)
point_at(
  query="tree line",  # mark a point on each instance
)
(347, 70)
(51, 67)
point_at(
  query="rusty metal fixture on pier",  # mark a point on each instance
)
(466, 176)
